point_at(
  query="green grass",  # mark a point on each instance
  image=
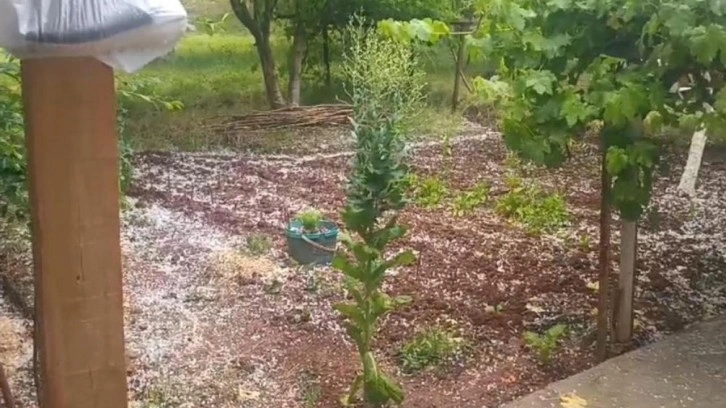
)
(219, 75)
(432, 348)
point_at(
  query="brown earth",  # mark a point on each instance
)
(198, 335)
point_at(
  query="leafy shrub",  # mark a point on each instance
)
(468, 201)
(138, 90)
(311, 220)
(429, 192)
(384, 77)
(385, 86)
(13, 191)
(529, 205)
(431, 348)
(545, 344)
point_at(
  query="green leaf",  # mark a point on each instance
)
(352, 312)
(402, 259)
(540, 81)
(341, 263)
(392, 390)
(370, 368)
(574, 110)
(707, 41)
(653, 123)
(616, 160)
(557, 331)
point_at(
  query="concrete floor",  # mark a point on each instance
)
(685, 370)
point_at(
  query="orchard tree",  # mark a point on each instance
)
(307, 19)
(628, 66)
(257, 16)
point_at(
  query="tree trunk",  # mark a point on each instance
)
(297, 55)
(604, 261)
(269, 71)
(623, 308)
(326, 56)
(690, 173)
(459, 73)
(259, 27)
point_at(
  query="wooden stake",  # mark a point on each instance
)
(70, 117)
(623, 316)
(604, 262)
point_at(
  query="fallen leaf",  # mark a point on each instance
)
(572, 401)
(594, 286)
(246, 395)
(534, 309)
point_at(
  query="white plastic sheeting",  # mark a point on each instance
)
(125, 34)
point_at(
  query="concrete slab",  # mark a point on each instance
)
(685, 370)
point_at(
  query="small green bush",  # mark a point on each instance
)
(545, 344)
(431, 348)
(468, 201)
(428, 192)
(538, 211)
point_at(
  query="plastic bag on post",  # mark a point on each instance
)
(125, 34)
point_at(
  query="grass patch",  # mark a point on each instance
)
(430, 349)
(468, 201)
(428, 192)
(310, 390)
(219, 75)
(538, 211)
(545, 344)
(258, 244)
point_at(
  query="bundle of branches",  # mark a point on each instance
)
(298, 116)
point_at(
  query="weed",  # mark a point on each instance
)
(431, 348)
(310, 389)
(529, 205)
(585, 243)
(258, 244)
(429, 192)
(311, 220)
(545, 344)
(467, 202)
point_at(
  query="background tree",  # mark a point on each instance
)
(257, 17)
(307, 19)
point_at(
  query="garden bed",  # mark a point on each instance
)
(216, 318)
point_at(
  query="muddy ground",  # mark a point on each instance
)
(210, 325)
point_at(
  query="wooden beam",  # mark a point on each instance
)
(70, 116)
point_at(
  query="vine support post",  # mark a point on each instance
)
(73, 166)
(604, 261)
(687, 185)
(623, 309)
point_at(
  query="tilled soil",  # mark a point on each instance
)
(210, 326)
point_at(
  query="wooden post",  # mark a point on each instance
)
(70, 117)
(603, 260)
(695, 154)
(623, 308)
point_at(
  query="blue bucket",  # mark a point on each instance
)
(312, 248)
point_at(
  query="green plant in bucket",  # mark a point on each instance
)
(311, 220)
